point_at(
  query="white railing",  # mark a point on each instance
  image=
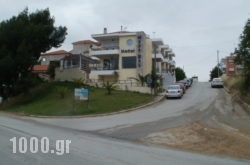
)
(104, 52)
(172, 62)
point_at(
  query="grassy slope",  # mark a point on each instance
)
(45, 100)
(234, 84)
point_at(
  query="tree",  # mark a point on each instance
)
(79, 82)
(52, 69)
(180, 74)
(214, 73)
(142, 79)
(243, 54)
(154, 79)
(109, 87)
(22, 39)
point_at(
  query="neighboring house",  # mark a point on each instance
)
(83, 47)
(55, 56)
(231, 67)
(74, 66)
(40, 68)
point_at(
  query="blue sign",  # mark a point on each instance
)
(81, 94)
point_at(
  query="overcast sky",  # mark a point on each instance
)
(194, 29)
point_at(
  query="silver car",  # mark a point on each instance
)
(174, 91)
(217, 82)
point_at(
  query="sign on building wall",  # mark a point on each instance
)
(139, 51)
(81, 94)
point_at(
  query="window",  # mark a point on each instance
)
(129, 62)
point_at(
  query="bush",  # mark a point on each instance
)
(109, 87)
(236, 83)
(62, 91)
(35, 93)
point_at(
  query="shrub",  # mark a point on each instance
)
(62, 91)
(109, 87)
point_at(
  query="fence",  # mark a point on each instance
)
(128, 85)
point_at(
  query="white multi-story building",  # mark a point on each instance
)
(116, 57)
(123, 56)
(163, 56)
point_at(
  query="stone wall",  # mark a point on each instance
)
(69, 74)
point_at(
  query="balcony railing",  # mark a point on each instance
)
(105, 51)
(103, 68)
(172, 62)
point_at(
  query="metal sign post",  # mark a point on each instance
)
(82, 94)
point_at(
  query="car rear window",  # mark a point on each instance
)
(173, 87)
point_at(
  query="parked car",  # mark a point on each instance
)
(184, 82)
(217, 82)
(189, 81)
(183, 87)
(174, 91)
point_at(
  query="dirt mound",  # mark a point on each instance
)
(201, 138)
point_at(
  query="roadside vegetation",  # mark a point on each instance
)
(239, 84)
(236, 86)
(22, 40)
(57, 99)
(214, 73)
(180, 74)
(243, 55)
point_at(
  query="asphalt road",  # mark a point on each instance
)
(200, 96)
(89, 149)
(222, 112)
(90, 143)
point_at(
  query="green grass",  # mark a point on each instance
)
(46, 100)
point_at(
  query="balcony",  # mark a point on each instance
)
(166, 60)
(159, 57)
(103, 51)
(172, 62)
(107, 69)
(103, 71)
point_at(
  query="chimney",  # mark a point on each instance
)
(105, 30)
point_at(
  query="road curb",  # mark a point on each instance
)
(158, 99)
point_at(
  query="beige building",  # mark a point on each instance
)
(116, 57)
(123, 55)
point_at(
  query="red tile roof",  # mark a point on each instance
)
(86, 42)
(40, 68)
(58, 52)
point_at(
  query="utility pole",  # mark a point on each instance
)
(218, 70)
(154, 76)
